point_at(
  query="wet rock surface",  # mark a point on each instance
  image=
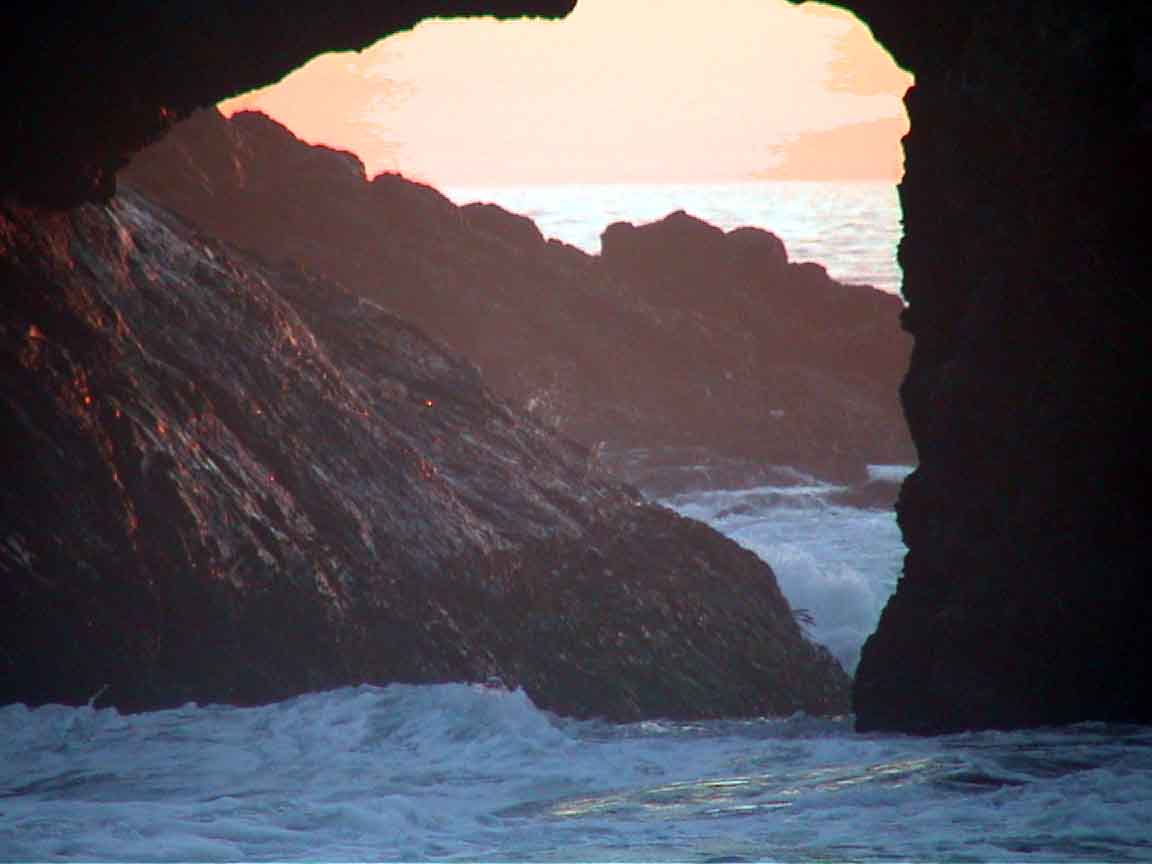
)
(679, 335)
(229, 481)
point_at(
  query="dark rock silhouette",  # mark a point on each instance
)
(226, 481)
(1024, 599)
(679, 334)
(97, 82)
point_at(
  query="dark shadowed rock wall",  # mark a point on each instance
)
(90, 83)
(225, 481)
(1025, 598)
(678, 335)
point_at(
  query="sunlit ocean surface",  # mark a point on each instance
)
(852, 228)
(455, 772)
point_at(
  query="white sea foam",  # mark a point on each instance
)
(839, 564)
(889, 473)
(453, 772)
(458, 772)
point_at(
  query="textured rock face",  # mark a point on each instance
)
(227, 481)
(679, 335)
(1025, 595)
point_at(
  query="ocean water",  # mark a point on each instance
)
(464, 773)
(457, 772)
(838, 564)
(851, 228)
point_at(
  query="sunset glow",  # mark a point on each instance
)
(620, 91)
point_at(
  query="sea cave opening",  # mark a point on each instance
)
(737, 360)
(796, 109)
(236, 477)
(742, 380)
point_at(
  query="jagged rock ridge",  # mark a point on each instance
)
(678, 335)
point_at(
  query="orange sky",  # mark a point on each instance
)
(620, 91)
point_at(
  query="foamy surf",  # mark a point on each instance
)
(836, 565)
(456, 772)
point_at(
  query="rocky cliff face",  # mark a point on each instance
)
(678, 335)
(1025, 594)
(228, 481)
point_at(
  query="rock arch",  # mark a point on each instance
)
(1025, 597)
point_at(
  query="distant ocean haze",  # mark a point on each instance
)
(852, 228)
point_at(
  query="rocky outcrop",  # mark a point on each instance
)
(1025, 598)
(229, 481)
(678, 335)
